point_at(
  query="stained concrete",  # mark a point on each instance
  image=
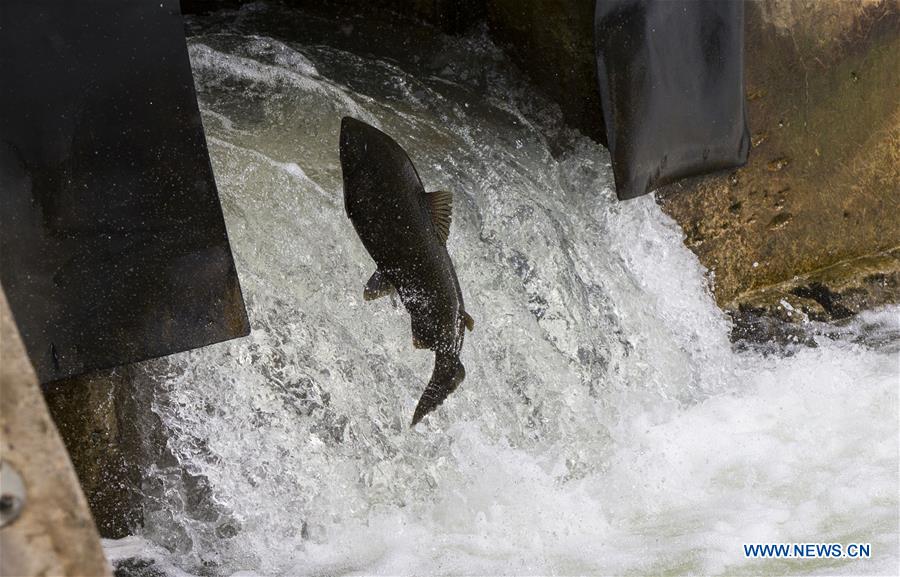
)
(821, 191)
(54, 534)
(553, 42)
(99, 420)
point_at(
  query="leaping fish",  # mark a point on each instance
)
(405, 231)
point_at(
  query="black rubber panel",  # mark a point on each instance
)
(671, 88)
(113, 248)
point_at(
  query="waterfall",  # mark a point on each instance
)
(607, 424)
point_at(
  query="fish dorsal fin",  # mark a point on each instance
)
(440, 205)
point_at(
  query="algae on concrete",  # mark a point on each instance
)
(98, 419)
(823, 183)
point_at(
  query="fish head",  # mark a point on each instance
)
(355, 135)
(366, 163)
(376, 170)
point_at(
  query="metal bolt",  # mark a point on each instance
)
(12, 494)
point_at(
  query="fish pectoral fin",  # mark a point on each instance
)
(440, 205)
(377, 287)
(470, 322)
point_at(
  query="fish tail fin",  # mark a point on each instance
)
(448, 373)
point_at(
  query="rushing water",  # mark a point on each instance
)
(606, 426)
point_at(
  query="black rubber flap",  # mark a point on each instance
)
(113, 248)
(672, 89)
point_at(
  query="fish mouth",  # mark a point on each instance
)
(356, 139)
(351, 130)
(350, 123)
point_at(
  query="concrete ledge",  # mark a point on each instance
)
(55, 534)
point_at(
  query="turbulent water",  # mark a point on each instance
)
(607, 424)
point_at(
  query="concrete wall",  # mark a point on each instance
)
(99, 419)
(820, 196)
(54, 534)
(553, 41)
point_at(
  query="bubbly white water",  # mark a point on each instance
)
(606, 425)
